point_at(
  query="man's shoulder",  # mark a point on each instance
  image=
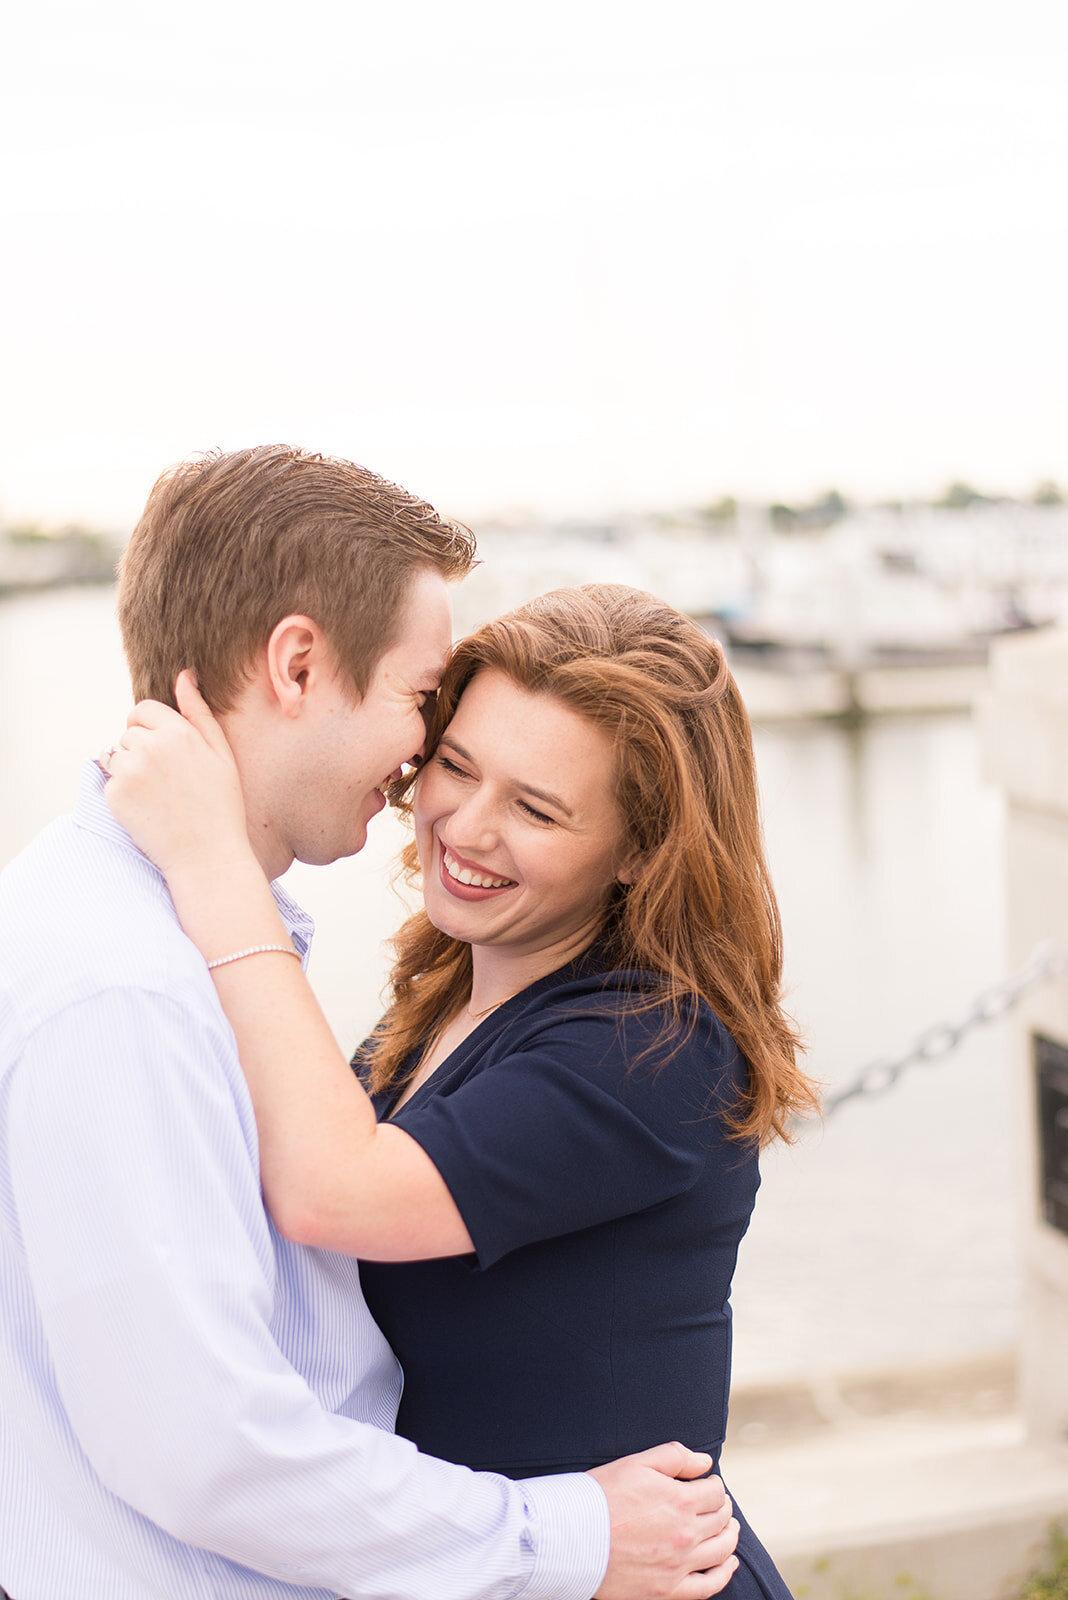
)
(80, 914)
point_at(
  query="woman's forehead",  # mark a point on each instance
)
(498, 720)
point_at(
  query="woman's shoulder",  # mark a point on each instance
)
(615, 1015)
(593, 986)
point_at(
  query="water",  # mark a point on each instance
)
(888, 1237)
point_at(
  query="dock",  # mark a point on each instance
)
(919, 1484)
(778, 694)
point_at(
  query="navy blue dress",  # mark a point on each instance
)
(606, 1205)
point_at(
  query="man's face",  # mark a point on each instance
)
(351, 748)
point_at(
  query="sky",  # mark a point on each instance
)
(568, 259)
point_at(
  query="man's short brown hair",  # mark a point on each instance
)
(230, 543)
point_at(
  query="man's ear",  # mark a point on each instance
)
(298, 654)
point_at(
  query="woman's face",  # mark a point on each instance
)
(519, 835)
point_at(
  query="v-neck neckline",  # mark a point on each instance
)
(458, 1057)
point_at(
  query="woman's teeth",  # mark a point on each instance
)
(474, 880)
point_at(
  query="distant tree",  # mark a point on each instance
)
(1048, 493)
(829, 508)
(70, 537)
(820, 513)
(725, 509)
(783, 517)
(959, 496)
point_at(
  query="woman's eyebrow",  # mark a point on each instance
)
(545, 795)
(454, 744)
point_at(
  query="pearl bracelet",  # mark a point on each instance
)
(253, 950)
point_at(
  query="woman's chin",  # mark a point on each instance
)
(448, 925)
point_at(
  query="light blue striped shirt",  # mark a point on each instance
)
(192, 1408)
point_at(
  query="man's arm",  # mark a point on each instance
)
(153, 1268)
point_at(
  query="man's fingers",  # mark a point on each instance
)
(696, 1464)
(713, 1522)
(704, 1495)
(675, 1461)
(702, 1585)
(669, 1536)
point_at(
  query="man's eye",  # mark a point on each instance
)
(426, 709)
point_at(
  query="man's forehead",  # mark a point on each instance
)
(435, 666)
(429, 649)
(426, 637)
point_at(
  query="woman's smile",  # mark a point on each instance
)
(517, 825)
(467, 880)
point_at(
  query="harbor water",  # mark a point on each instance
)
(885, 1238)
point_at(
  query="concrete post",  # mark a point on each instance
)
(1024, 735)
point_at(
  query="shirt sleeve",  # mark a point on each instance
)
(587, 1117)
(138, 1208)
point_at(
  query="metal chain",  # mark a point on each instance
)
(1048, 960)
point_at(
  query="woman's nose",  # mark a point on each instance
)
(473, 822)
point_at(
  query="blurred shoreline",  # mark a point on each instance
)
(826, 611)
(32, 559)
(897, 579)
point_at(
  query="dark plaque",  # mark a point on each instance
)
(1051, 1073)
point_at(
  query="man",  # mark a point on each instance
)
(191, 1405)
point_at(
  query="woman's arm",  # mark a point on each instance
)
(332, 1176)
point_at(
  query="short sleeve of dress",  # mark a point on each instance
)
(573, 1121)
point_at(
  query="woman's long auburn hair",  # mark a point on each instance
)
(701, 913)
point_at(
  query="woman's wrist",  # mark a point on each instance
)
(227, 906)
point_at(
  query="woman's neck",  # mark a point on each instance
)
(497, 975)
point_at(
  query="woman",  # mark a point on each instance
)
(584, 1051)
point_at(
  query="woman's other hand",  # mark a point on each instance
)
(174, 784)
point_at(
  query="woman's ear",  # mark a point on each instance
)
(630, 868)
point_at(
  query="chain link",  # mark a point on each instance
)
(1048, 961)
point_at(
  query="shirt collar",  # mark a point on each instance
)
(91, 812)
(298, 923)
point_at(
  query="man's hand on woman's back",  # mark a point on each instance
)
(673, 1529)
